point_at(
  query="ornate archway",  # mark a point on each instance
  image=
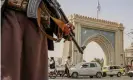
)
(109, 35)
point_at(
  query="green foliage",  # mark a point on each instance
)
(98, 60)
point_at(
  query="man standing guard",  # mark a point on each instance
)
(25, 40)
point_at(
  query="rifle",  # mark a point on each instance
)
(56, 6)
(72, 35)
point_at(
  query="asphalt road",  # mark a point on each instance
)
(87, 78)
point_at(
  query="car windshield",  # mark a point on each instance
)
(79, 64)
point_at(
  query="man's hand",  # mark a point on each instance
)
(67, 29)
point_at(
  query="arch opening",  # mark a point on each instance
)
(105, 45)
(94, 52)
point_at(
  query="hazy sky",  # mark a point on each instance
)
(120, 11)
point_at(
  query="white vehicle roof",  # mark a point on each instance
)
(86, 62)
(79, 64)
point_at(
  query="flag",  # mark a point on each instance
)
(98, 6)
(98, 9)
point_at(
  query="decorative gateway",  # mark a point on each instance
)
(49, 14)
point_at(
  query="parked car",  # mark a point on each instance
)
(130, 73)
(112, 71)
(86, 69)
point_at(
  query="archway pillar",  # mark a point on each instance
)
(119, 53)
(77, 57)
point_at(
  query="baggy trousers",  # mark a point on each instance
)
(23, 48)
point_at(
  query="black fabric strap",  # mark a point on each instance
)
(3, 8)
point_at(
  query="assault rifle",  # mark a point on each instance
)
(56, 8)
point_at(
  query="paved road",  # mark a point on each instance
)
(105, 78)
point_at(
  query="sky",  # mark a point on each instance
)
(120, 11)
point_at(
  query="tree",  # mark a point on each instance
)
(131, 31)
(84, 60)
(98, 60)
(130, 34)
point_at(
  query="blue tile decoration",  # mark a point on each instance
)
(88, 32)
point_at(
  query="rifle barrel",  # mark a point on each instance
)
(71, 33)
(66, 19)
(75, 42)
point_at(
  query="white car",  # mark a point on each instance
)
(86, 69)
(112, 70)
(130, 73)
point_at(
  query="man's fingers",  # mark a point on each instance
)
(67, 30)
(70, 26)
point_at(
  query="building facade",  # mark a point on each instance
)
(129, 55)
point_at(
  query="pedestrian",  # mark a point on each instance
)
(25, 42)
(52, 63)
(67, 66)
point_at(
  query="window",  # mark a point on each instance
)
(111, 67)
(92, 65)
(115, 67)
(95, 65)
(85, 66)
(118, 67)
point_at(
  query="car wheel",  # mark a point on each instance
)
(104, 74)
(111, 75)
(99, 75)
(91, 76)
(74, 75)
(118, 74)
(52, 75)
(130, 74)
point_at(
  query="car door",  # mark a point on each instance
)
(113, 70)
(84, 69)
(110, 72)
(92, 70)
(116, 69)
(119, 69)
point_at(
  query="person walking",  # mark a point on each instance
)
(52, 63)
(67, 66)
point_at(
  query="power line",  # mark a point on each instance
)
(128, 35)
